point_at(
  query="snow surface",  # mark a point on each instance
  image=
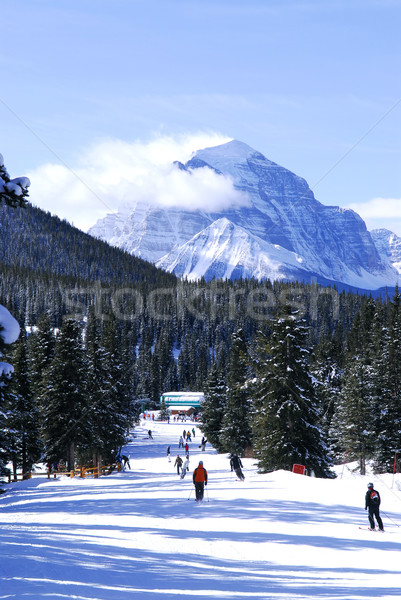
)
(140, 535)
(9, 331)
(10, 328)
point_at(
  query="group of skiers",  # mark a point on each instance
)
(200, 477)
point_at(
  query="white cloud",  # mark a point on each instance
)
(113, 173)
(380, 212)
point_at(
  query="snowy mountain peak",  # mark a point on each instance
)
(233, 150)
(224, 250)
(234, 158)
(388, 244)
(281, 231)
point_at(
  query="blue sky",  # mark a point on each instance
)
(315, 86)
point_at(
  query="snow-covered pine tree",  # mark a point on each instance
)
(114, 366)
(355, 416)
(143, 365)
(12, 191)
(286, 416)
(41, 351)
(167, 370)
(127, 345)
(164, 412)
(203, 360)
(6, 398)
(213, 407)
(236, 434)
(388, 367)
(64, 398)
(106, 422)
(326, 372)
(24, 419)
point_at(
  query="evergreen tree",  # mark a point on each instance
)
(166, 363)
(130, 407)
(354, 421)
(12, 191)
(143, 366)
(64, 399)
(327, 376)
(24, 419)
(155, 378)
(286, 416)
(185, 373)
(213, 408)
(236, 435)
(41, 351)
(202, 363)
(6, 399)
(164, 412)
(388, 366)
(106, 418)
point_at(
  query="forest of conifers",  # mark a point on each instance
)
(291, 372)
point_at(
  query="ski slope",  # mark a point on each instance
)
(140, 535)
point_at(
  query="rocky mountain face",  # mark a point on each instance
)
(388, 245)
(280, 232)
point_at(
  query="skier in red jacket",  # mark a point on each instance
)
(199, 478)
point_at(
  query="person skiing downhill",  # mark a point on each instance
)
(178, 463)
(372, 502)
(199, 479)
(236, 465)
(125, 461)
(185, 467)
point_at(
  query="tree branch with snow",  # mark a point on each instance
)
(12, 191)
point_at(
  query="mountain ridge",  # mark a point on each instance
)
(330, 242)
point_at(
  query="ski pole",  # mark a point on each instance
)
(190, 493)
(389, 518)
(207, 493)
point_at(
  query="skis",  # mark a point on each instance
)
(369, 529)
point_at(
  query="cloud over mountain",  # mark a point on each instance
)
(113, 173)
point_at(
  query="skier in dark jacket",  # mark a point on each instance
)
(178, 463)
(199, 478)
(236, 465)
(372, 502)
(125, 461)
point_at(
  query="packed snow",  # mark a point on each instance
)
(9, 332)
(9, 327)
(139, 534)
